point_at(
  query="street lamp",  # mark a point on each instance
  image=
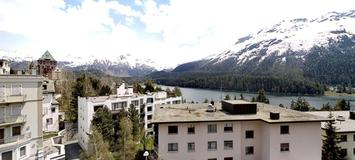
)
(146, 154)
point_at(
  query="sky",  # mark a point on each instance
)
(169, 32)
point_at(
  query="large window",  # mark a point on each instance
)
(228, 127)
(354, 137)
(191, 129)
(16, 131)
(249, 150)
(119, 105)
(284, 147)
(249, 134)
(284, 130)
(343, 138)
(49, 121)
(212, 145)
(343, 152)
(228, 144)
(149, 117)
(191, 147)
(22, 151)
(135, 103)
(173, 129)
(228, 158)
(212, 128)
(149, 109)
(172, 147)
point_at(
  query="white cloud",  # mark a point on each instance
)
(189, 30)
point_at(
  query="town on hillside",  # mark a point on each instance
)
(51, 113)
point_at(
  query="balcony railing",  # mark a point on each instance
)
(9, 120)
(13, 139)
(12, 98)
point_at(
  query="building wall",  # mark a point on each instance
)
(349, 145)
(30, 107)
(49, 114)
(304, 141)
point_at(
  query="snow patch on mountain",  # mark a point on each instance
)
(297, 35)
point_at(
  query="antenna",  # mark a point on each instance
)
(221, 91)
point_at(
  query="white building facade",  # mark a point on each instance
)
(194, 134)
(20, 117)
(144, 103)
(51, 115)
(345, 124)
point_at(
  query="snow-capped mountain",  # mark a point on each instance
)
(275, 45)
(123, 65)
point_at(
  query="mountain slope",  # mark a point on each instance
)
(299, 46)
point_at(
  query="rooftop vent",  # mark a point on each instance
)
(352, 115)
(274, 115)
(210, 108)
(340, 118)
(239, 107)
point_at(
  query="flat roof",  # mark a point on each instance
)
(348, 125)
(99, 99)
(185, 113)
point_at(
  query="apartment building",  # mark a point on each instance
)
(345, 124)
(144, 103)
(20, 117)
(236, 130)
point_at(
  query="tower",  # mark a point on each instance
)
(46, 65)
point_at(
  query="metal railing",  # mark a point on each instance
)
(13, 119)
(12, 98)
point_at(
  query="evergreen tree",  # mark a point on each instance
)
(158, 88)
(127, 145)
(177, 92)
(253, 99)
(326, 107)
(301, 104)
(330, 148)
(227, 97)
(241, 96)
(149, 87)
(133, 115)
(98, 149)
(205, 101)
(137, 88)
(104, 123)
(105, 90)
(262, 97)
(342, 105)
(281, 105)
(235, 97)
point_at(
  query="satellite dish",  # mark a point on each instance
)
(146, 154)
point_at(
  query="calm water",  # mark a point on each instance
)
(199, 95)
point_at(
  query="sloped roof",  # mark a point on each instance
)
(46, 56)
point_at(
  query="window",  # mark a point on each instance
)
(149, 117)
(16, 131)
(173, 129)
(7, 155)
(119, 105)
(228, 127)
(150, 125)
(353, 151)
(191, 147)
(97, 107)
(249, 150)
(354, 137)
(16, 89)
(284, 147)
(228, 158)
(343, 152)
(172, 147)
(149, 109)
(249, 134)
(228, 144)
(212, 128)
(150, 100)
(212, 145)
(22, 151)
(53, 109)
(212, 158)
(284, 130)
(135, 103)
(2, 90)
(343, 138)
(191, 129)
(49, 121)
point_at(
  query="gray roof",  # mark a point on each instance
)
(181, 113)
(47, 56)
(348, 125)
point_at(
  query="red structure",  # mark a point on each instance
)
(46, 65)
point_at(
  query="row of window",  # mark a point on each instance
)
(16, 89)
(8, 155)
(344, 138)
(228, 145)
(344, 152)
(119, 105)
(16, 131)
(212, 128)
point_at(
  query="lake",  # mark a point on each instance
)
(199, 95)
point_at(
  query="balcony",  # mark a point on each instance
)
(11, 120)
(12, 99)
(13, 139)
